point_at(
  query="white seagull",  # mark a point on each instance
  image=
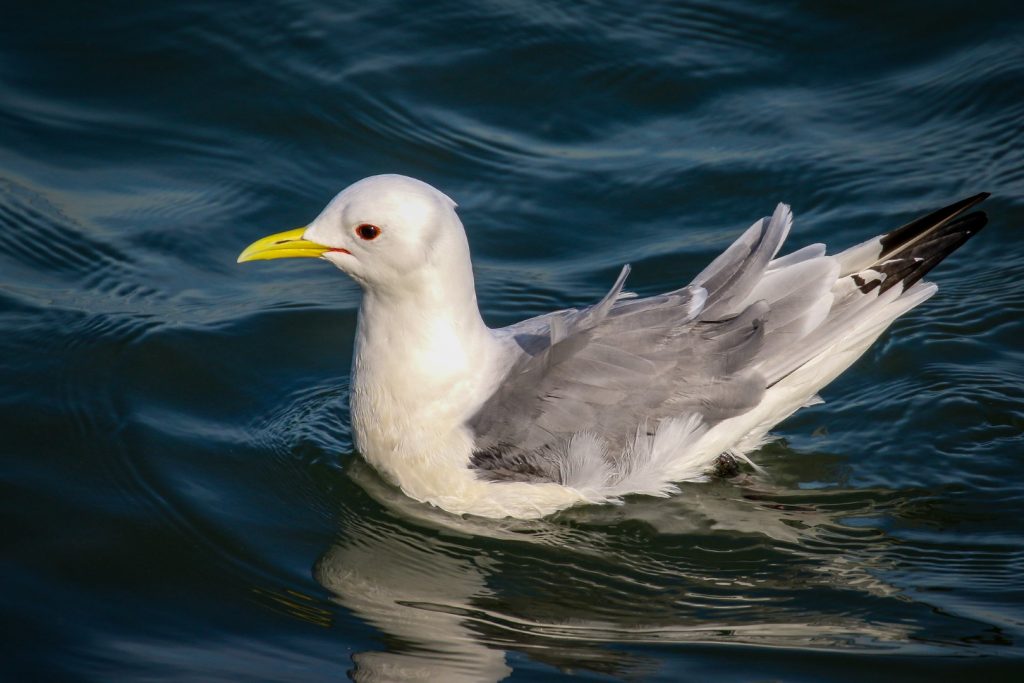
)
(627, 396)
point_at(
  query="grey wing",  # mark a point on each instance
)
(705, 353)
(625, 363)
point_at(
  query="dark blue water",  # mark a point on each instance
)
(180, 496)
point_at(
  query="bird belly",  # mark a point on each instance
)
(433, 468)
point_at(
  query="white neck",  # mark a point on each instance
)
(424, 361)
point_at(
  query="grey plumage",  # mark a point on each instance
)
(609, 373)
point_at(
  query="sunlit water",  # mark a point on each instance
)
(181, 498)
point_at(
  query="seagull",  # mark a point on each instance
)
(626, 396)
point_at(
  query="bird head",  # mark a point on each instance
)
(382, 231)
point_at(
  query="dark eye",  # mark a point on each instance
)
(368, 232)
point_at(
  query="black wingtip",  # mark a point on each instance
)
(915, 261)
(902, 237)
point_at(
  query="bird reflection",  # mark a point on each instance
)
(726, 562)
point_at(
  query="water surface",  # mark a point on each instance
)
(180, 492)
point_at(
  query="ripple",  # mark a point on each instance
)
(37, 235)
(690, 561)
(311, 421)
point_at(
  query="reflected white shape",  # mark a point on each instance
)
(452, 602)
(414, 589)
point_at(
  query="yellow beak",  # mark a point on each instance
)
(287, 244)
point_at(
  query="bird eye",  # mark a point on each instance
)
(368, 232)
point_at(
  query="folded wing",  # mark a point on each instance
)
(586, 398)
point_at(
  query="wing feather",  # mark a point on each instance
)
(582, 402)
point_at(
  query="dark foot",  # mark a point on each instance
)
(725, 466)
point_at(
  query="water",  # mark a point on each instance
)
(181, 499)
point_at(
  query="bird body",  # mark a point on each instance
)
(629, 395)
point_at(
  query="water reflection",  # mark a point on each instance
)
(419, 592)
(731, 562)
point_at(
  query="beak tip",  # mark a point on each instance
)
(288, 244)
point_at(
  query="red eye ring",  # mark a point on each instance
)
(367, 232)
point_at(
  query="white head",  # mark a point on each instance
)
(388, 232)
